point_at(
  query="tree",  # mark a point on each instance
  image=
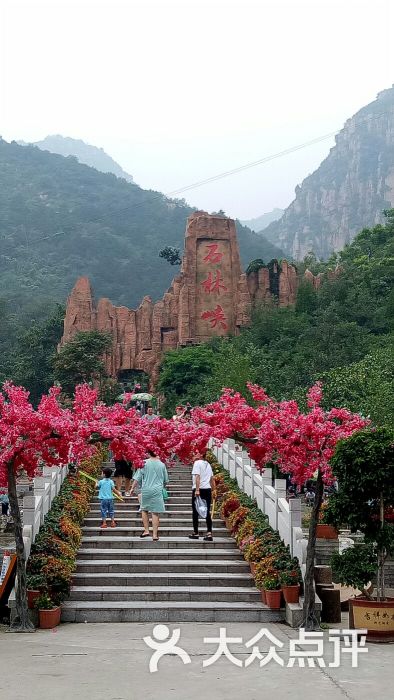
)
(366, 386)
(34, 352)
(81, 359)
(171, 254)
(364, 467)
(54, 435)
(301, 444)
(307, 301)
(182, 373)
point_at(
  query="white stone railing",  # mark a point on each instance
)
(284, 516)
(38, 502)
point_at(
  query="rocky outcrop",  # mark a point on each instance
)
(349, 190)
(210, 297)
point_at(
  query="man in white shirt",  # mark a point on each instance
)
(203, 484)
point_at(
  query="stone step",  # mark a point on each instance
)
(132, 512)
(225, 566)
(102, 540)
(173, 611)
(164, 531)
(175, 491)
(157, 593)
(185, 498)
(135, 521)
(165, 578)
(162, 554)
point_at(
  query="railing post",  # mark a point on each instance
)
(231, 458)
(266, 480)
(280, 492)
(295, 520)
(225, 455)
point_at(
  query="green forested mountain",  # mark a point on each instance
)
(342, 334)
(60, 219)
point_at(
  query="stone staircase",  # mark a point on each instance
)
(122, 578)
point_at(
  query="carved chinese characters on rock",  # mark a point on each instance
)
(216, 318)
(214, 284)
(214, 308)
(213, 255)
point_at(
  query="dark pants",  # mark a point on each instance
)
(206, 495)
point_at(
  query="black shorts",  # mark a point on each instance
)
(123, 468)
(4, 508)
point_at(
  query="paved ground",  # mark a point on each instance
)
(111, 662)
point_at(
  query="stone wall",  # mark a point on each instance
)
(210, 297)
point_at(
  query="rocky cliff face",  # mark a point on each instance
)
(348, 191)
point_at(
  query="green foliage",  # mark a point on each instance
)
(44, 602)
(255, 266)
(366, 386)
(171, 254)
(31, 363)
(306, 301)
(355, 567)
(81, 359)
(181, 374)
(364, 467)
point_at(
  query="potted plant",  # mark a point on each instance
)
(356, 567)
(230, 504)
(48, 612)
(273, 592)
(236, 518)
(290, 582)
(35, 584)
(364, 466)
(264, 569)
(324, 530)
(253, 553)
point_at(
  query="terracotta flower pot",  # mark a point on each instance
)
(263, 596)
(375, 616)
(291, 594)
(273, 599)
(252, 565)
(49, 618)
(32, 596)
(326, 532)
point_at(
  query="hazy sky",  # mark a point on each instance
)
(180, 90)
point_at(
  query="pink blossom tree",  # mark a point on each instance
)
(301, 444)
(53, 435)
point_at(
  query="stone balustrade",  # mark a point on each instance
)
(37, 502)
(270, 495)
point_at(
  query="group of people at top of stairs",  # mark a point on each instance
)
(149, 483)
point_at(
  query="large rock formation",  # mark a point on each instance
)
(211, 297)
(349, 190)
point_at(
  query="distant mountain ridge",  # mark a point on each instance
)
(84, 152)
(348, 191)
(261, 222)
(60, 220)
